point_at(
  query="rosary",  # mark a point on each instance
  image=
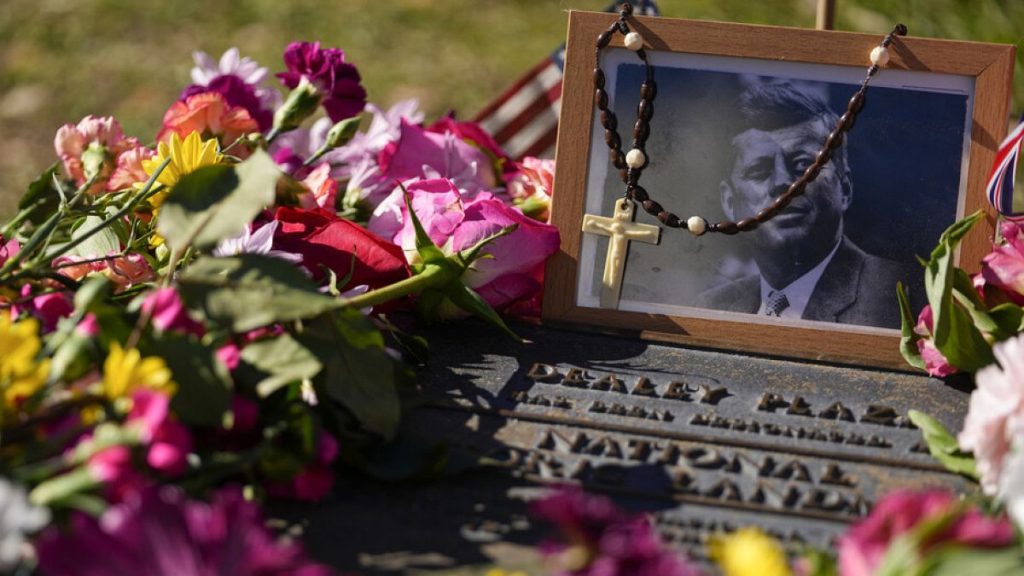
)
(620, 228)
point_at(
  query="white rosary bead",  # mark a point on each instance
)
(696, 225)
(634, 41)
(635, 158)
(880, 56)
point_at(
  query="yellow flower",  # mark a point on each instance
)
(748, 552)
(503, 572)
(21, 375)
(187, 156)
(126, 371)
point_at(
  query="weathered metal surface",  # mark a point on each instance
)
(706, 441)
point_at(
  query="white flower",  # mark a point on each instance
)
(17, 519)
(258, 242)
(1011, 486)
(996, 413)
(230, 64)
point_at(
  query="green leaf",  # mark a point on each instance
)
(943, 445)
(1009, 317)
(283, 359)
(42, 199)
(251, 290)
(464, 297)
(102, 242)
(204, 385)
(908, 338)
(216, 202)
(957, 561)
(357, 372)
(954, 334)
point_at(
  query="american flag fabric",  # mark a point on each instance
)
(1004, 172)
(524, 119)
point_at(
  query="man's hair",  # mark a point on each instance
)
(771, 106)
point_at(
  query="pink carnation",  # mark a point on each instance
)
(862, 548)
(92, 147)
(996, 413)
(124, 271)
(323, 189)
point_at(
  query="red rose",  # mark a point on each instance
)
(326, 241)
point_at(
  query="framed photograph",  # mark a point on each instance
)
(740, 112)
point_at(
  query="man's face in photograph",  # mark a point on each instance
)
(767, 162)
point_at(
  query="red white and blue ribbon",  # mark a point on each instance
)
(1004, 173)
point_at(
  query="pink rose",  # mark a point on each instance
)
(421, 154)
(996, 412)
(1003, 268)
(455, 225)
(934, 362)
(862, 548)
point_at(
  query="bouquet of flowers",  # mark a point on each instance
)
(195, 323)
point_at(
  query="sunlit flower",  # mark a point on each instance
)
(259, 242)
(531, 184)
(209, 114)
(129, 169)
(126, 371)
(186, 156)
(91, 149)
(338, 82)
(21, 374)
(995, 417)
(748, 552)
(18, 519)
(239, 79)
(323, 190)
(124, 271)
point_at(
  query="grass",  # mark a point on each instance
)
(63, 59)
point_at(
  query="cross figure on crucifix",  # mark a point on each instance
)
(620, 229)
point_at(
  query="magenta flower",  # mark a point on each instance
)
(168, 312)
(338, 81)
(48, 308)
(602, 540)
(114, 469)
(161, 533)
(316, 480)
(995, 417)
(862, 548)
(934, 362)
(167, 441)
(473, 133)
(419, 153)
(1003, 268)
(9, 248)
(455, 225)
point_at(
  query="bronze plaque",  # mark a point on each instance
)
(705, 441)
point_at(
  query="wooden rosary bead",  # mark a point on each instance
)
(609, 121)
(641, 130)
(671, 220)
(823, 156)
(601, 98)
(768, 213)
(618, 158)
(598, 78)
(652, 207)
(605, 37)
(638, 193)
(648, 90)
(856, 102)
(645, 110)
(725, 227)
(747, 224)
(612, 139)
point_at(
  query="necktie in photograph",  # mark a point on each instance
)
(777, 302)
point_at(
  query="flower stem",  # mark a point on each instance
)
(432, 276)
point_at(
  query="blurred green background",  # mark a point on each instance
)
(63, 59)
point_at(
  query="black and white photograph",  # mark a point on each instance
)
(729, 135)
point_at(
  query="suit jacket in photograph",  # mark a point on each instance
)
(855, 288)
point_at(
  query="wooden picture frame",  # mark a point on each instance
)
(924, 75)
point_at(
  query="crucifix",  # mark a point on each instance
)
(620, 229)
